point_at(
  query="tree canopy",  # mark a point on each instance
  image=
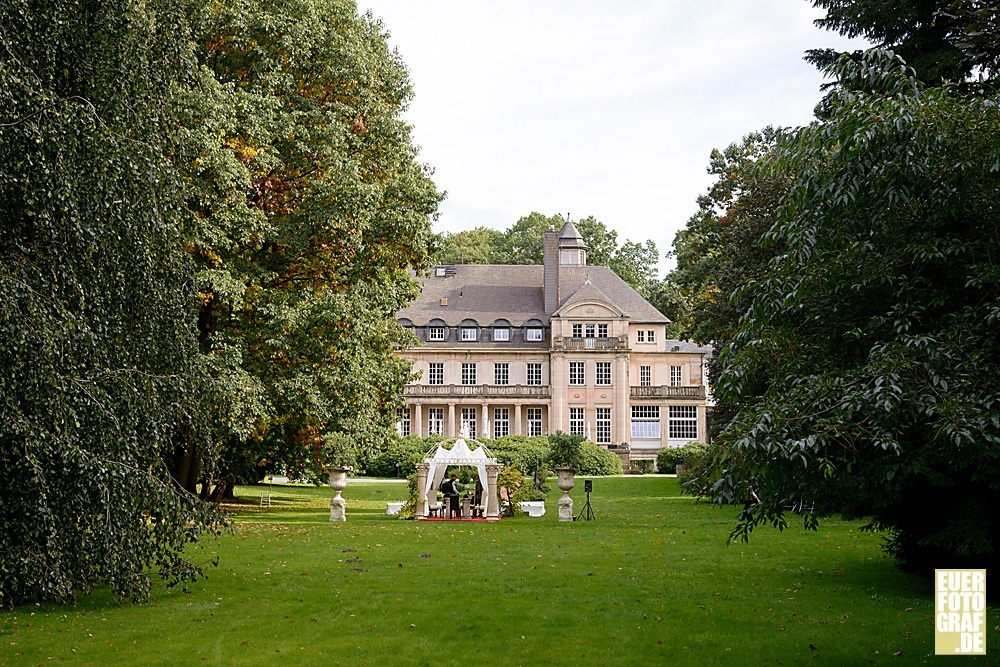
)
(942, 40)
(308, 206)
(99, 350)
(864, 366)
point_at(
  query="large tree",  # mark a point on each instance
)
(308, 206)
(723, 248)
(97, 337)
(866, 364)
(943, 40)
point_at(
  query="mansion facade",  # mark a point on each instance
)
(531, 350)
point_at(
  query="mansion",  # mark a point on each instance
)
(531, 350)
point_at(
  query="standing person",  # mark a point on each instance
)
(451, 494)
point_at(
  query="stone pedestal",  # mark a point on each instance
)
(338, 481)
(493, 495)
(564, 481)
(422, 470)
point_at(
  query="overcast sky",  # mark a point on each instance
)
(596, 108)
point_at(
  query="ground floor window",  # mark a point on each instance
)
(604, 426)
(683, 422)
(403, 421)
(469, 422)
(646, 422)
(435, 421)
(501, 422)
(534, 421)
(576, 421)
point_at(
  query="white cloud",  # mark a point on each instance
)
(589, 108)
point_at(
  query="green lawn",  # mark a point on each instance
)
(650, 582)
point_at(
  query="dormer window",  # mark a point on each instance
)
(435, 333)
(501, 335)
(533, 335)
(470, 334)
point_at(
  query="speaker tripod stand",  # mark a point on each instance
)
(587, 513)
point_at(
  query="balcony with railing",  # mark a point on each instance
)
(575, 343)
(475, 390)
(666, 391)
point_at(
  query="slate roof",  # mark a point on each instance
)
(487, 292)
(570, 237)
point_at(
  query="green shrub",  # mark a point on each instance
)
(409, 510)
(596, 461)
(695, 464)
(511, 479)
(399, 459)
(669, 458)
(565, 450)
(527, 494)
(526, 454)
(641, 467)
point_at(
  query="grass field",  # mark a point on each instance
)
(650, 582)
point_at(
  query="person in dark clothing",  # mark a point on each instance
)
(451, 494)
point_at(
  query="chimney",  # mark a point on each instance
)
(551, 271)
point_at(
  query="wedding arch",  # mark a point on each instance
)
(431, 472)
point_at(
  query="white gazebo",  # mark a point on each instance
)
(431, 472)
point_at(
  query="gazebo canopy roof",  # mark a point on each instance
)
(460, 454)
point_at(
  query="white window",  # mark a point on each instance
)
(533, 335)
(577, 331)
(501, 374)
(604, 426)
(403, 421)
(589, 331)
(645, 422)
(501, 422)
(577, 374)
(435, 333)
(576, 421)
(602, 330)
(603, 375)
(640, 336)
(435, 421)
(534, 421)
(469, 422)
(645, 376)
(683, 423)
(470, 333)
(501, 334)
(468, 374)
(435, 373)
(675, 376)
(534, 374)
(650, 336)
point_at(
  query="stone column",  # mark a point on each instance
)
(518, 430)
(621, 413)
(418, 420)
(422, 469)
(702, 424)
(493, 511)
(558, 387)
(452, 430)
(485, 425)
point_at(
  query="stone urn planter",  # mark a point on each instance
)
(564, 480)
(338, 482)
